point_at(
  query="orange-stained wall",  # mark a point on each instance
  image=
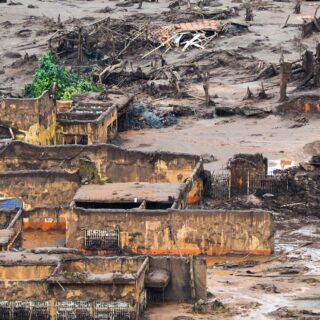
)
(178, 231)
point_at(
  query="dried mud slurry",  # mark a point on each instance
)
(213, 109)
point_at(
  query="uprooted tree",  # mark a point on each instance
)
(68, 83)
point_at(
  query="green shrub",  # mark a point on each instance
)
(68, 83)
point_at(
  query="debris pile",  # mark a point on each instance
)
(142, 116)
(287, 313)
(291, 188)
(181, 11)
(203, 307)
(103, 41)
(195, 34)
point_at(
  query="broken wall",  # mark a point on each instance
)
(209, 232)
(22, 272)
(39, 188)
(13, 232)
(243, 167)
(194, 188)
(118, 275)
(90, 280)
(101, 265)
(105, 292)
(36, 118)
(75, 286)
(112, 162)
(36, 290)
(107, 128)
(97, 131)
(30, 290)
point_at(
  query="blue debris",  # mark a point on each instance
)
(10, 204)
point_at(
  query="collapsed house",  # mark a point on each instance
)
(111, 231)
(139, 200)
(92, 121)
(34, 119)
(243, 167)
(251, 174)
(45, 121)
(75, 287)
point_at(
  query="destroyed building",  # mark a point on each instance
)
(243, 167)
(91, 230)
(34, 119)
(118, 237)
(45, 121)
(74, 287)
(93, 121)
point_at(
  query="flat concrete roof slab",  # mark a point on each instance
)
(129, 192)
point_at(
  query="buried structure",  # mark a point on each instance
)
(106, 232)
(69, 286)
(45, 121)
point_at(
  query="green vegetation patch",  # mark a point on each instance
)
(68, 83)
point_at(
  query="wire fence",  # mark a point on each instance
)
(223, 188)
(66, 310)
(22, 310)
(112, 311)
(268, 184)
(221, 184)
(73, 310)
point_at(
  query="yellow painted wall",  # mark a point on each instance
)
(97, 132)
(35, 118)
(19, 272)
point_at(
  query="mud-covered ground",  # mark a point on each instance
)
(282, 286)
(223, 137)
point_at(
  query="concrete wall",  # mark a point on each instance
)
(98, 131)
(39, 188)
(106, 292)
(22, 272)
(33, 277)
(101, 265)
(46, 218)
(208, 232)
(20, 113)
(117, 164)
(42, 291)
(27, 281)
(35, 117)
(15, 291)
(244, 167)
